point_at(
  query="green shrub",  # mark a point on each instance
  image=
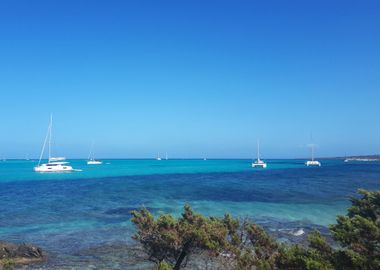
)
(169, 241)
(8, 264)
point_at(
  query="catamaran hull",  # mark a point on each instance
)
(57, 168)
(262, 166)
(312, 163)
(93, 162)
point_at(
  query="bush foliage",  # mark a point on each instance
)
(243, 245)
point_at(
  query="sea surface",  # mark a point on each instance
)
(71, 214)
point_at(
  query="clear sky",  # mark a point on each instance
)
(193, 78)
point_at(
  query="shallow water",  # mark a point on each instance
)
(71, 212)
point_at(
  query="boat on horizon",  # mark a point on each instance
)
(94, 162)
(158, 156)
(55, 164)
(312, 162)
(91, 160)
(258, 163)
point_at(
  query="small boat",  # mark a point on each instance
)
(91, 160)
(94, 162)
(55, 164)
(312, 162)
(166, 156)
(259, 163)
(158, 156)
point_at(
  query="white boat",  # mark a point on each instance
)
(166, 156)
(55, 164)
(94, 162)
(158, 156)
(259, 163)
(91, 160)
(312, 162)
(54, 167)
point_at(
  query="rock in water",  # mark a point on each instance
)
(20, 254)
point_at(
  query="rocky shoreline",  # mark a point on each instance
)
(19, 254)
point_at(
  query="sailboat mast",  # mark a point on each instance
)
(48, 136)
(258, 150)
(312, 146)
(90, 154)
(50, 130)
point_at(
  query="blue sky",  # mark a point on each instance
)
(193, 78)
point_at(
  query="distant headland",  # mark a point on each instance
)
(359, 158)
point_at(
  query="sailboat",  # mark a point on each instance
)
(312, 162)
(166, 156)
(259, 163)
(158, 156)
(55, 164)
(91, 160)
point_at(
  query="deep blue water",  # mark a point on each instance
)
(65, 213)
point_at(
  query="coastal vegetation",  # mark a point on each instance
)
(241, 244)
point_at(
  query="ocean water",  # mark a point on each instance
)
(67, 213)
(22, 170)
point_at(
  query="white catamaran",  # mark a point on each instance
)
(312, 162)
(55, 164)
(259, 163)
(91, 160)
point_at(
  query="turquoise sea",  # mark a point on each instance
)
(69, 213)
